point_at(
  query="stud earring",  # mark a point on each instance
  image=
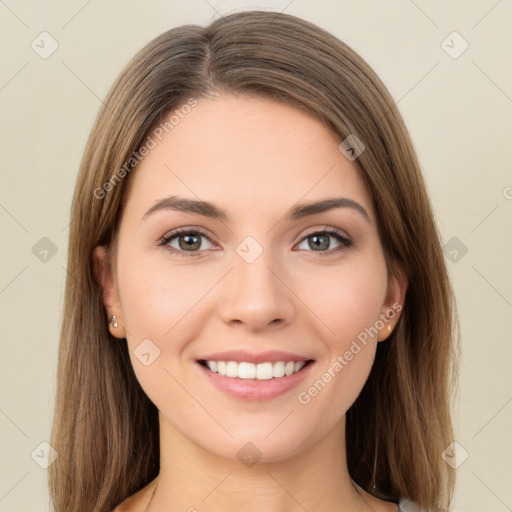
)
(115, 325)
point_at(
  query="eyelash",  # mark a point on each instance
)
(340, 237)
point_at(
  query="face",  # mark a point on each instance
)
(280, 292)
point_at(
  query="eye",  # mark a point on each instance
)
(190, 243)
(320, 240)
(188, 240)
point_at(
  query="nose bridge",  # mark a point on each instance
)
(256, 294)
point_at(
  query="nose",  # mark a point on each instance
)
(257, 295)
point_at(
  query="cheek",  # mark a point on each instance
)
(159, 316)
(349, 302)
(158, 310)
(348, 298)
(358, 305)
(155, 303)
(163, 305)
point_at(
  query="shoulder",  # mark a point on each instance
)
(406, 505)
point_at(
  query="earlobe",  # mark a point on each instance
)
(387, 332)
(109, 295)
(116, 329)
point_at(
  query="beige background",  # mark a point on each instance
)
(459, 112)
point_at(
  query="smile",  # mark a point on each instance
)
(258, 382)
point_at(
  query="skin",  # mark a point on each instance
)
(254, 159)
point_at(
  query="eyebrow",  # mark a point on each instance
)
(208, 209)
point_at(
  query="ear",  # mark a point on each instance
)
(109, 292)
(394, 302)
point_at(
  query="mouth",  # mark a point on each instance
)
(249, 381)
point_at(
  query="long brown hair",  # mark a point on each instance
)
(105, 428)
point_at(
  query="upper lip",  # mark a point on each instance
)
(254, 357)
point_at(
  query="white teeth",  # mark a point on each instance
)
(246, 370)
(264, 371)
(261, 371)
(231, 369)
(278, 369)
(298, 365)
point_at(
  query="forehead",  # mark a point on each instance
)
(245, 153)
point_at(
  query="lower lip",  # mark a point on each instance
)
(257, 390)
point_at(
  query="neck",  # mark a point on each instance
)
(192, 479)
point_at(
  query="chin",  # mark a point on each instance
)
(260, 443)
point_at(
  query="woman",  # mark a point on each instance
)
(257, 314)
